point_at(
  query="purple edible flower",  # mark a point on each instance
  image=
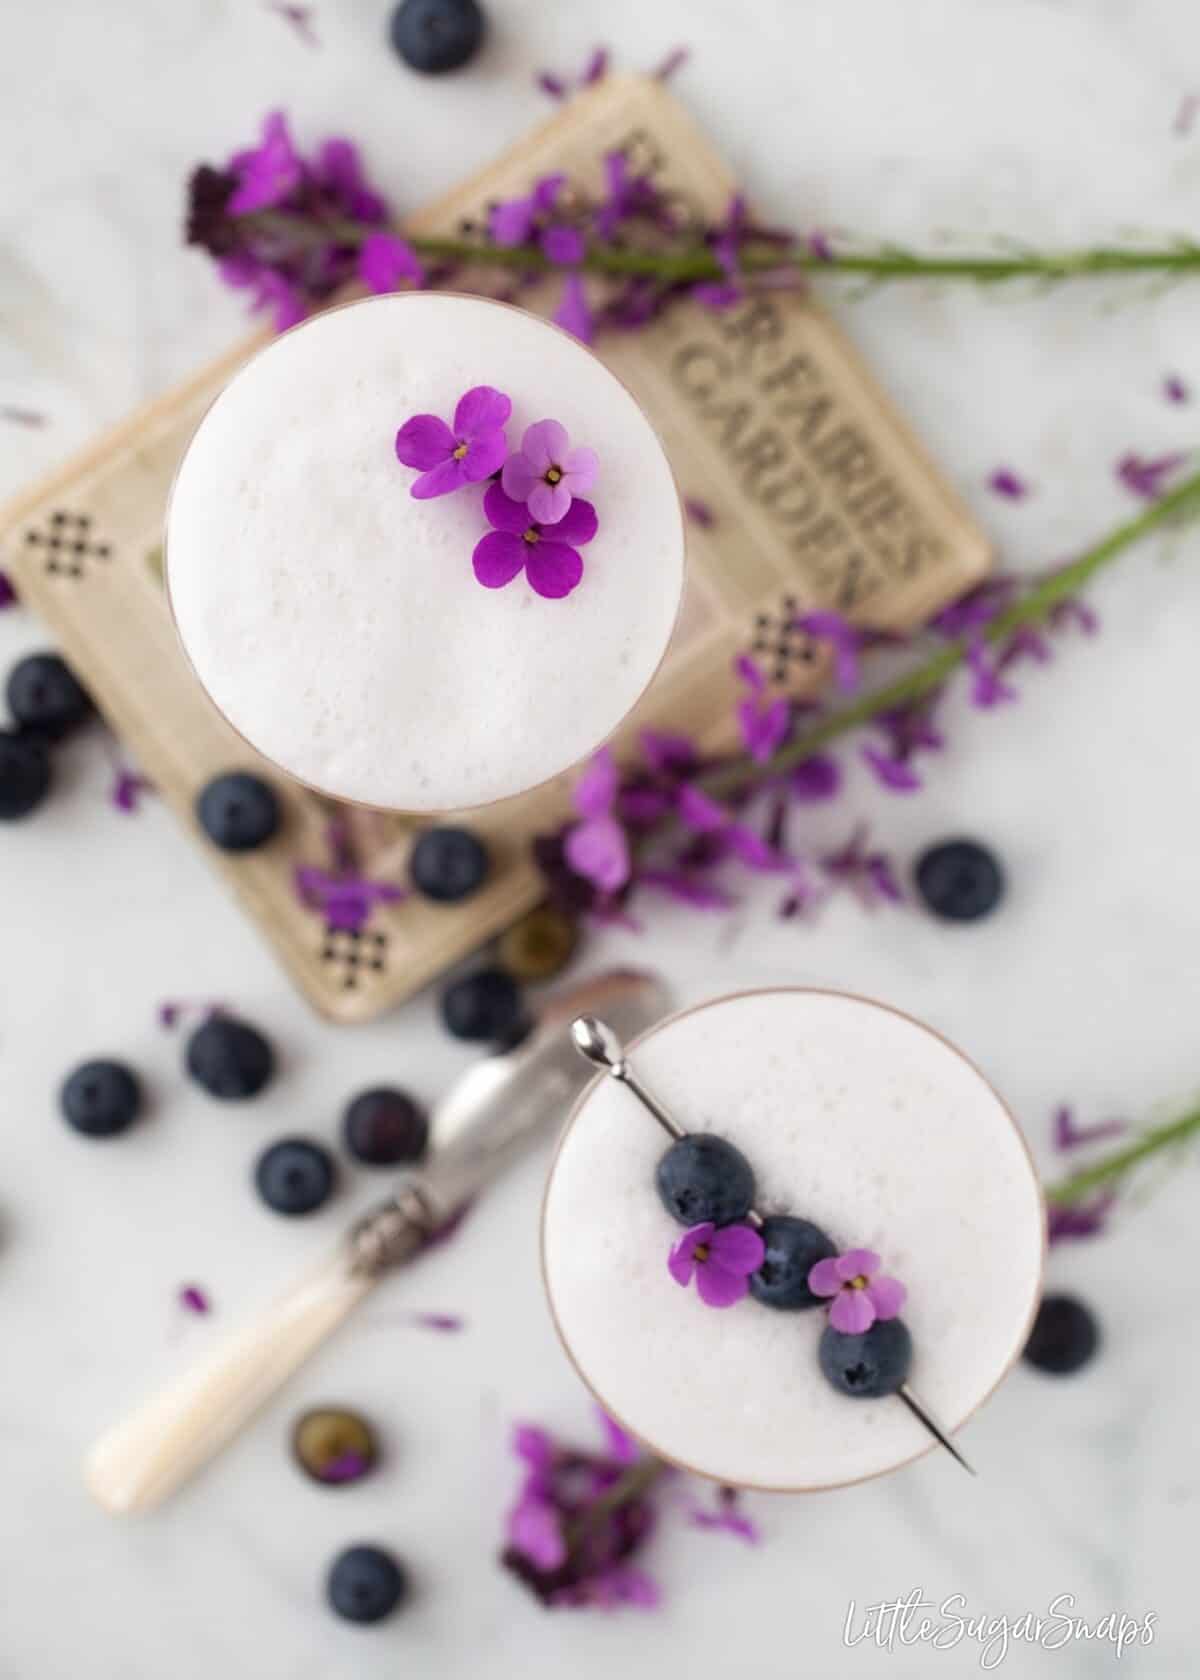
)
(551, 84)
(450, 459)
(1008, 484)
(193, 1299)
(728, 1517)
(546, 473)
(686, 887)
(706, 817)
(1080, 1220)
(764, 723)
(127, 789)
(858, 1295)
(845, 641)
(988, 688)
(596, 67)
(268, 173)
(1147, 478)
(699, 512)
(1175, 390)
(346, 1467)
(574, 314)
(517, 220)
(597, 847)
(33, 419)
(720, 1259)
(1067, 1135)
(346, 901)
(385, 260)
(908, 730)
(815, 778)
(868, 874)
(548, 553)
(298, 17)
(8, 595)
(674, 61)
(895, 774)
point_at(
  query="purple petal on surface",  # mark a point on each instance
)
(622, 1448)
(764, 729)
(340, 170)
(518, 478)
(498, 557)
(578, 525)
(668, 754)
(852, 1312)
(598, 849)
(699, 512)
(442, 480)
(814, 778)
(716, 294)
(551, 84)
(887, 1295)
(675, 60)
(346, 1467)
(486, 453)
(511, 223)
(193, 1299)
(8, 595)
(719, 1287)
(1008, 484)
(564, 246)
(1175, 390)
(546, 190)
(753, 850)
(297, 17)
(1147, 477)
(127, 789)
(269, 171)
(1067, 1135)
(988, 688)
(700, 812)
(596, 788)
(481, 409)
(894, 774)
(423, 442)
(554, 569)
(548, 503)
(574, 314)
(448, 1323)
(384, 260)
(534, 1445)
(824, 1278)
(738, 1248)
(727, 1517)
(688, 889)
(535, 1530)
(750, 672)
(596, 67)
(1081, 1219)
(842, 638)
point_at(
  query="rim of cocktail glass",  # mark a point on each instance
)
(775, 1487)
(424, 813)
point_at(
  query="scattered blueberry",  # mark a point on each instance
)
(793, 1248)
(868, 1365)
(485, 1007)
(436, 35)
(239, 812)
(334, 1446)
(448, 864)
(230, 1059)
(1064, 1337)
(366, 1584)
(44, 695)
(24, 774)
(701, 1178)
(101, 1098)
(959, 880)
(385, 1127)
(294, 1176)
(540, 945)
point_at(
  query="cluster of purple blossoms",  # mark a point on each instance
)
(538, 516)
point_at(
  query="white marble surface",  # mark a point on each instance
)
(1051, 121)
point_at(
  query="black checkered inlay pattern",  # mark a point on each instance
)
(67, 545)
(354, 954)
(778, 644)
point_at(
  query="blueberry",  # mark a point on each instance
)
(448, 864)
(701, 1178)
(101, 1098)
(231, 1060)
(44, 695)
(1064, 1337)
(384, 1127)
(436, 35)
(366, 1584)
(334, 1446)
(959, 880)
(485, 1007)
(24, 774)
(540, 945)
(294, 1176)
(869, 1365)
(793, 1248)
(237, 811)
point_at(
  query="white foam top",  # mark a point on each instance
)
(336, 621)
(853, 1116)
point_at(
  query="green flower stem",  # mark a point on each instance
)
(1115, 1165)
(697, 262)
(914, 685)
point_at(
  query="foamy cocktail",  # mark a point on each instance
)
(425, 552)
(851, 1215)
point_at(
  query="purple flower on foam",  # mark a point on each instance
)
(546, 473)
(720, 1259)
(1080, 1219)
(988, 687)
(764, 723)
(1147, 478)
(548, 553)
(1069, 1135)
(346, 901)
(574, 313)
(449, 458)
(1175, 390)
(727, 1517)
(8, 595)
(268, 173)
(857, 1294)
(385, 260)
(843, 639)
(1008, 484)
(597, 847)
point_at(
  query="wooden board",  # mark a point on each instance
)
(820, 497)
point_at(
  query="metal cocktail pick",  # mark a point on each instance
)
(598, 1043)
